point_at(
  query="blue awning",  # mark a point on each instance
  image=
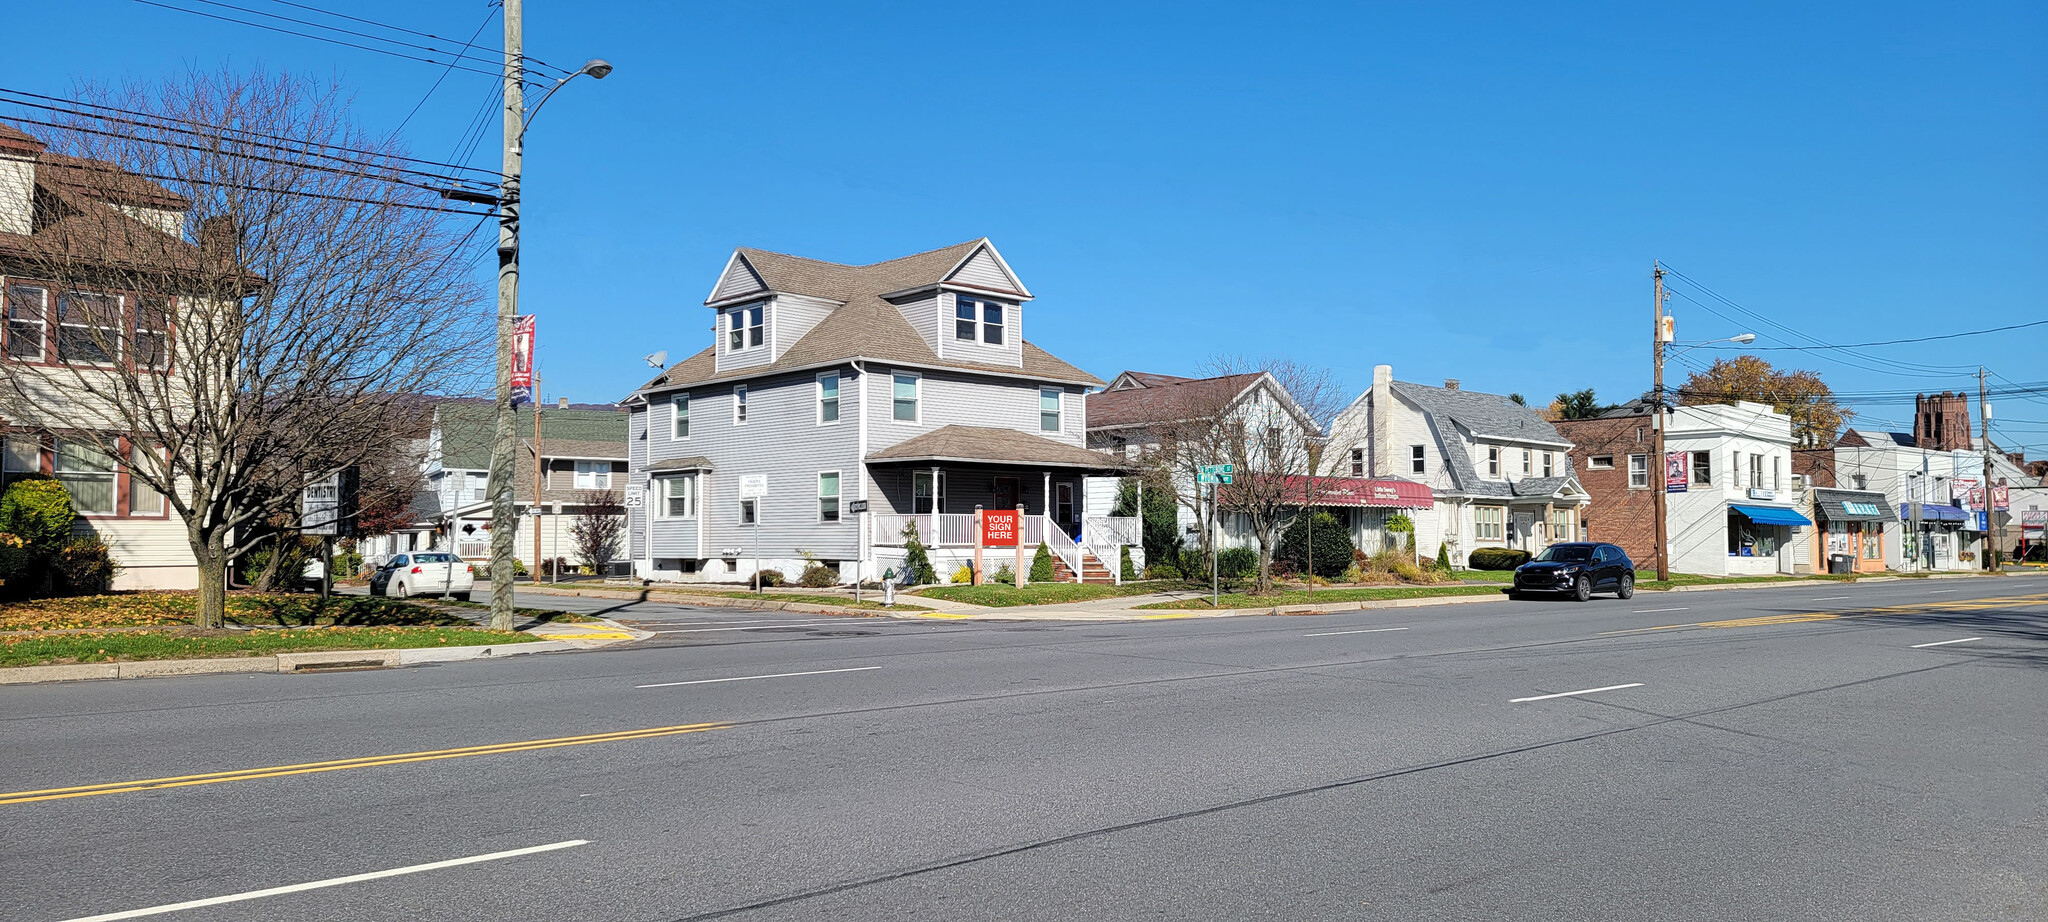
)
(1771, 515)
(1930, 512)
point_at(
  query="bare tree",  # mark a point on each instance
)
(241, 289)
(598, 528)
(1273, 438)
(1187, 434)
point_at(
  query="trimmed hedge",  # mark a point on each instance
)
(1498, 558)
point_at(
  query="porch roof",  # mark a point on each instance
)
(1353, 491)
(985, 445)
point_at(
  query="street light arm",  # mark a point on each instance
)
(1743, 338)
(597, 68)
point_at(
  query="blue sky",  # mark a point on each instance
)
(1473, 191)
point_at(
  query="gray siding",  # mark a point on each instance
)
(795, 315)
(753, 355)
(739, 279)
(981, 270)
(1010, 352)
(962, 399)
(781, 439)
(636, 479)
(923, 315)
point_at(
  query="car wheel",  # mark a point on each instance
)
(1628, 587)
(1514, 596)
(1582, 589)
(403, 592)
(460, 596)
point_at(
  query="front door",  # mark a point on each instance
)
(1525, 530)
(1006, 494)
(1063, 509)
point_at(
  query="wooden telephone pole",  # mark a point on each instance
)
(1658, 337)
(1990, 552)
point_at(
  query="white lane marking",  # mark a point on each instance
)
(1645, 611)
(1582, 691)
(1831, 598)
(709, 630)
(1375, 630)
(1943, 643)
(743, 678)
(330, 882)
(1933, 591)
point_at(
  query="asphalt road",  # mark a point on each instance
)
(1856, 752)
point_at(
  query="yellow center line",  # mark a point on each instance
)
(278, 771)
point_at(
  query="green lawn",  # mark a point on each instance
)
(1302, 597)
(94, 647)
(1005, 596)
(143, 609)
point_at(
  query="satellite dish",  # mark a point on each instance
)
(658, 360)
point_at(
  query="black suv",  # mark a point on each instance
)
(1577, 569)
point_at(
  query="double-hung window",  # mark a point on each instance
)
(1488, 522)
(679, 417)
(142, 498)
(828, 397)
(88, 327)
(1549, 462)
(1638, 472)
(1528, 458)
(479, 486)
(1416, 459)
(744, 327)
(1703, 468)
(152, 333)
(905, 387)
(19, 456)
(1756, 470)
(1777, 473)
(1049, 409)
(593, 475)
(828, 496)
(1493, 463)
(679, 497)
(27, 321)
(966, 311)
(88, 473)
(1358, 462)
(739, 404)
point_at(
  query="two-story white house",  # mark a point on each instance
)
(906, 387)
(1737, 510)
(1499, 474)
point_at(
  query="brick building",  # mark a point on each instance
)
(1611, 454)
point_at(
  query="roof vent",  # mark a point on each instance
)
(1450, 384)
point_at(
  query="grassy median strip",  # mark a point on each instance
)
(1006, 596)
(146, 609)
(113, 646)
(1301, 597)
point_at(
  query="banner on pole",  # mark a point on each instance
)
(522, 361)
(1675, 471)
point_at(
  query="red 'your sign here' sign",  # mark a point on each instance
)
(999, 528)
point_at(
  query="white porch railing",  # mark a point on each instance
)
(943, 530)
(1061, 545)
(1106, 536)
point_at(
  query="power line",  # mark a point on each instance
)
(493, 14)
(72, 107)
(495, 4)
(1806, 336)
(1921, 339)
(322, 38)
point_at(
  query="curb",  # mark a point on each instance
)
(278, 662)
(637, 595)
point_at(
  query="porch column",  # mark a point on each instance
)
(1550, 525)
(932, 536)
(1046, 510)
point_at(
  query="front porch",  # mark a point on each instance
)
(931, 486)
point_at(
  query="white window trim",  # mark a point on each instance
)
(598, 479)
(1632, 472)
(736, 318)
(1358, 462)
(41, 323)
(1549, 464)
(690, 497)
(1593, 463)
(1418, 459)
(57, 325)
(1059, 411)
(838, 398)
(163, 505)
(1493, 463)
(917, 398)
(1528, 461)
(838, 498)
(973, 319)
(744, 503)
(112, 475)
(681, 400)
(739, 404)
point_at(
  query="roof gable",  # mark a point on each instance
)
(738, 279)
(984, 268)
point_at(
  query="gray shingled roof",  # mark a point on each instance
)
(864, 326)
(984, 445)
(1831, 508)
(1486, 416)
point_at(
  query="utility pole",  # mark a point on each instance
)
(1991, 544)
(1658, 337)
(504, 524)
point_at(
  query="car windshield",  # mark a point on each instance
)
(433, 558)
(1566, 553)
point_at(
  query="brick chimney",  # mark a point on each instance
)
(1941, 422)
(1450, 384)
(219, 237)
(18, 154)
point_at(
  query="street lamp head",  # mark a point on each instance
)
(596, 67)
(1744, 339)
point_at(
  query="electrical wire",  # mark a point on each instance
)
(495, 4)
(322, 38)
(493, 14)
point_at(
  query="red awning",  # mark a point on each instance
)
(1351, 491)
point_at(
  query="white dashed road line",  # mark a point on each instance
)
(1366, 631)
(1582, 691)
(743, 678)
(1944, 643)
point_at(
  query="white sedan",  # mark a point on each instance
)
(424, 573)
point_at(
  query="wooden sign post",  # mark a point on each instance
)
(1020, 546)
(980, 533)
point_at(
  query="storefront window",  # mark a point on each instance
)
(1748, 539)
(1873, 547)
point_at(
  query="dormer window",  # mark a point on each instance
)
(744, 327)
(968, 313)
